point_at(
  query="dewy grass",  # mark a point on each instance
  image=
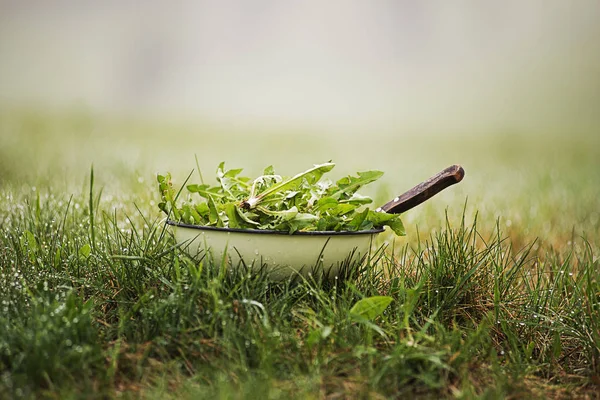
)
(502, 305)
(124, 309)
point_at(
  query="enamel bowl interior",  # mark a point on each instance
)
(281, 253)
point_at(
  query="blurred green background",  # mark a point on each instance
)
(510, 90)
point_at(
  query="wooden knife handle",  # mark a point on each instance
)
(426, 190)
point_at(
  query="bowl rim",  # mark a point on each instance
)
(273, 232)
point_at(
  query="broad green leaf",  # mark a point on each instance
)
(379, 218)
(301, 221)
(358, 220)
(85, 250)
(371, 307)
(31, 242)
(212, 192)
(190, 215)
(269, 170)
(358, 199)
(397, 226)
(341, 209)
(203, 210)
(325, 203)
(197, 188)
(328, 223)
(213, 216)
(221, 169)
(232, 215)
(321, 224)
(350, 184)
(232, 173)
(230, 184)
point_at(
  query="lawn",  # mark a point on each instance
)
(495, 289)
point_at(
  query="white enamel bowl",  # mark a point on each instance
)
(281, 253)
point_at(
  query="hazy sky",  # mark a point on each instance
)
(403, 65)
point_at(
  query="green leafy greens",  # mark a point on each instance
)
(304, 202)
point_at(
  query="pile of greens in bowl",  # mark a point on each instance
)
(304, 202)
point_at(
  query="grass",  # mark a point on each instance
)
(97, 300)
